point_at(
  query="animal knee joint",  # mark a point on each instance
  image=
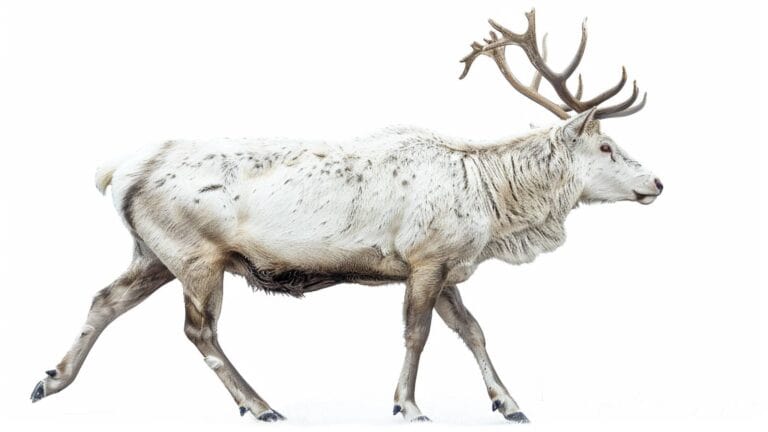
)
(86, 330)
(213, 362)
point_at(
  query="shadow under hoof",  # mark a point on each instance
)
(38, 393)
(517, 417)
(271, 416)
(421, 418)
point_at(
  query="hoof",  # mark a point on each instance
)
(271, 416)
(421, 418)
(39, 392)
(51, 373)
(517, 417)
(496, 405)
(243, 410)
(396, 409)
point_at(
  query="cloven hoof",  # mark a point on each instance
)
(517, 417)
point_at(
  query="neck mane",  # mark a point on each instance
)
(529, 185)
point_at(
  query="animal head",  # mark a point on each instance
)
(606, 172)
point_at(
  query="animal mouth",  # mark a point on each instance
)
(644, 198)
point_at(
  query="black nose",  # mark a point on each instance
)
(659, 185)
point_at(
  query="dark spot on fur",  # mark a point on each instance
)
(237, 197)
(197, 200)
(405, 183)
(394, 173)
(464, 172)
(359, 178)
(209, 188)
(210, 156)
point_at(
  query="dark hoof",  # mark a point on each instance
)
(51, 373)
(39, 392)
(496, 405)
(517, 417)
(421, 418)
(271, 416)
(396, 409)
(243, 410)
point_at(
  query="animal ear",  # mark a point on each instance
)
(581, 124)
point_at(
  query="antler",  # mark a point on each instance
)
(494, 47)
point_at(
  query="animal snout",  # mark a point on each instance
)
(659, 184)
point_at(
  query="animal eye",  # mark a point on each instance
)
(606, 148)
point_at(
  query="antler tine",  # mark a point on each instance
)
(467, 60)
(478, 49)
(577, 96)
(611, 92)
(625, 112)
(537, 76)
(620, 106)
(580, 89)
(511, 37)
(579, 53)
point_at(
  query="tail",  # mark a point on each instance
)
(104, 175)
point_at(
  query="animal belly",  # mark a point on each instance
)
(295, 280)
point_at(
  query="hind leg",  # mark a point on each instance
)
(144, 276)
(203, 290)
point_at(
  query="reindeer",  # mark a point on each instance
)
(402, 205)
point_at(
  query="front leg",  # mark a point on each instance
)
(452, 310)
(421, 293)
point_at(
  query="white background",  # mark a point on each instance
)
(647, 315)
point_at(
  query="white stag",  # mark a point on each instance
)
(402, 205)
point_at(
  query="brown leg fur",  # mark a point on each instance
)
(452, 310)
(203, 289)
(421, 293)
(144, 276)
